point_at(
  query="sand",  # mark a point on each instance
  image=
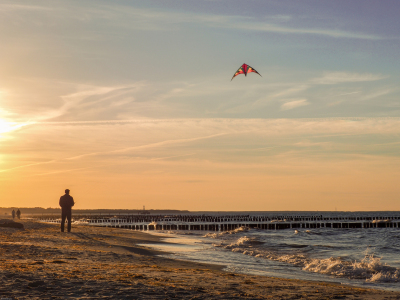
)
(40, 262)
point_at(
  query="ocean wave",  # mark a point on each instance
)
(225, 233)
(243, 241)
(370, 268)
(294, 259)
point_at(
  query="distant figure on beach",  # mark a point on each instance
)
(18, 214)
(66, 203)
(13, 214)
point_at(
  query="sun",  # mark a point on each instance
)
(6, 126)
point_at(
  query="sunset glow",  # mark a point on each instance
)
(6, 126)
(127, 104)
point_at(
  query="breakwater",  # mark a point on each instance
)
(231, 222)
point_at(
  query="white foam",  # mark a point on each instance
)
(369, 268)
(224, 233)
(385, 277)
(240, 242)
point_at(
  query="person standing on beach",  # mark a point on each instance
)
(13, 214)
(66, 203)
(18, 214)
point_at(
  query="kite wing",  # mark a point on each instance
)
(239, 71)
(250, 69)
(244, 69)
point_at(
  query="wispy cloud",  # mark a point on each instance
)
(6, 7)
(81, 102)
(344, 77)
(268, 27)
(108, 165)
(147, 146)
(153, 145)
(294, 104)
(75, 99)
(378, 94)
(291, 91)
(136, 18)
(271, 24)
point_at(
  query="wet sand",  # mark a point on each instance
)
(40, 262)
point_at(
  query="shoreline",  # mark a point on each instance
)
(165, 235)
(92, 262)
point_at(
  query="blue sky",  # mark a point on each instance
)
(87, 85)
(189, 45)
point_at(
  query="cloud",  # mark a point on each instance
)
(78, 102)
(294, 104)
(130, 146)
(268, 27)
(242, 23)
(291, 91)
(345, 77)
(249, 24)
(133, 18)
(21, 7)
(193, 129)
(107, 165)
(152, 145)
(378, 94)
(310, 144)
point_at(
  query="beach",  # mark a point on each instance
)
(40, 262)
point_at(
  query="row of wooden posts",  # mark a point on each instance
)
(228, 223)
(268, 226)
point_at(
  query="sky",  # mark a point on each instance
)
(131, 103)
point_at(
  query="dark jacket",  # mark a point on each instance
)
(66, 201)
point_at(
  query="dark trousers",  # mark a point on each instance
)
(65, 213)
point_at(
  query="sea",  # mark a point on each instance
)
(364, 257)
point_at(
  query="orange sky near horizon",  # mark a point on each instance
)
(199, 165)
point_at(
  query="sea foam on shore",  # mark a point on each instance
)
(318, 254)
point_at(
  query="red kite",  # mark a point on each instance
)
(244, 69)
